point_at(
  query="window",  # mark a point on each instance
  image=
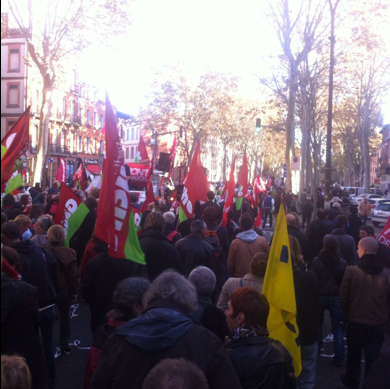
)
(127, 134)
(94, 119)
(80, 145)
(88, 117)
(73, 111)
(63, 137)
(64, 108)
(93, 146)
(71, 140)
(101, 121)
(132, 134)
(13, 94)
(10, 123)
(127, 153)
(88, 145)
(101, 147)
(132, 153)
(14, 58)
(121, 131)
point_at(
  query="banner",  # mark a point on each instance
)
(14, 150)
(61, 170)
(242, 183)
(139, 174)
(384, 237)
(141, 155)
(229, 195)
(196, 187)
(115, 217)
(67, 205)
(280, 292)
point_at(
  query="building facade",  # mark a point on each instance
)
(383, 169)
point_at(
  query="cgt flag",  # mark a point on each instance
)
(196, 187)
(384, 237)
(14, 150)
(142, 154)
(242, 183)
(229, 195)
(61, 170)
(115, 220)
(280, 292)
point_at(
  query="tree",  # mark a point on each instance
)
(56, 32)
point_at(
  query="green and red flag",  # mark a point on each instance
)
(115, 219)
(14, 150)
(242, 183)
(196, 187)
(229, 195)
(80, 177)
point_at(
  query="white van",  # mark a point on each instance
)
(354, 191)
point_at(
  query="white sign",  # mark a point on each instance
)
(296, 163)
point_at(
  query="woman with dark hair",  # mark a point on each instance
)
(35, 213)
(26, 201)
(259, 361)
(127, 305)
(94, 247)
(330, 268)
(355, 222)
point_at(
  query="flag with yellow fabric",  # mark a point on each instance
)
(279, 289)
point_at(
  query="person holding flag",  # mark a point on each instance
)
(242, 183)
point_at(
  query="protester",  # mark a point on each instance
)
(11, 256)
(67, 280)
(54, 189)
(170, 228)
(295, 231)
(383, 251)
(10, 207)
(259, 361)
(4, 218)
(364, 299)
(307, 211)
(15, 373)
(346, 243)
(164, 331)
(26, 202)
(254, 279)
(20, 194)
(134, 201)
(39, 269)
(244, 247)
(20, 332)
(210, 203)
(379, 376)
(334, 211)
(194, 251)
(354, 223)
(127, 305)
(175, 373)
(160, 253)
(238, 230)
(329, 269)
(365, 210)
(207, 314)
(268, 203)
(41, 227)
(24, 223)
(35, 213)
(94, 247)
(101, 277)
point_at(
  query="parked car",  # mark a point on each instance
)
(381, 213)
(358, 199)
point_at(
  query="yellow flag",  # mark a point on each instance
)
(279, 289)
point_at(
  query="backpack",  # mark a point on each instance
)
(212, 239)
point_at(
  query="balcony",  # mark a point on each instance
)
(61, 150)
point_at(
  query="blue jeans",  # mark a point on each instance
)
(362, 337)
(47, 320)
(307, 377)
(364, 220)
(332, 303)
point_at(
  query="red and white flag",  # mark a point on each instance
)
(258, 219)
(115, 219)
(80, 177)
(142, 154)
(229, 195)
(384, 237)
(61, 170)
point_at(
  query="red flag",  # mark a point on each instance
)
(258, 220)
(229, 195)
(14, 148)
(242, 182)
(142, 154)
(384, 237)
(66, 206)
(80, 177)
(61, 170)
(10, 271)
(172, 157)
(115, 221)
(195, 188)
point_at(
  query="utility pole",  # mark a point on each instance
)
(328, 166)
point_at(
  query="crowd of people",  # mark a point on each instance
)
(194, 316)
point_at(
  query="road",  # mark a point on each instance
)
(70, 368)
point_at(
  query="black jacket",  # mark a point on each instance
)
(100, 280)
(39, 269)
(260, 363)
(20, 327)
(347, 246)
(170, 228)
(163, 331)
(301, 237)
(330, 272)
(355, 222)
(194, 252)
(210, 204)
(307, 208)
(315, 234)
(384, 254)
(307, 296)
(160, 253)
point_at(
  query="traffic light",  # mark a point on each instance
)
(258, 126)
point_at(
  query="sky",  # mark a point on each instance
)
(225, 35)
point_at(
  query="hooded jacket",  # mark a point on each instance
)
(163, 331)
(347, 246)
(365, 292)
(39, 269)
(242, 250)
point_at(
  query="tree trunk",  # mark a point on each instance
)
(365, 148)
(44, 122)
(224, 162)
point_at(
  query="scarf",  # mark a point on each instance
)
(242, 333)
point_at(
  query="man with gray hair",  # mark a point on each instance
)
(170, 228)
(194, 251)
(364, 299)
(207, 314)
(41, 227)
(163, 331)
